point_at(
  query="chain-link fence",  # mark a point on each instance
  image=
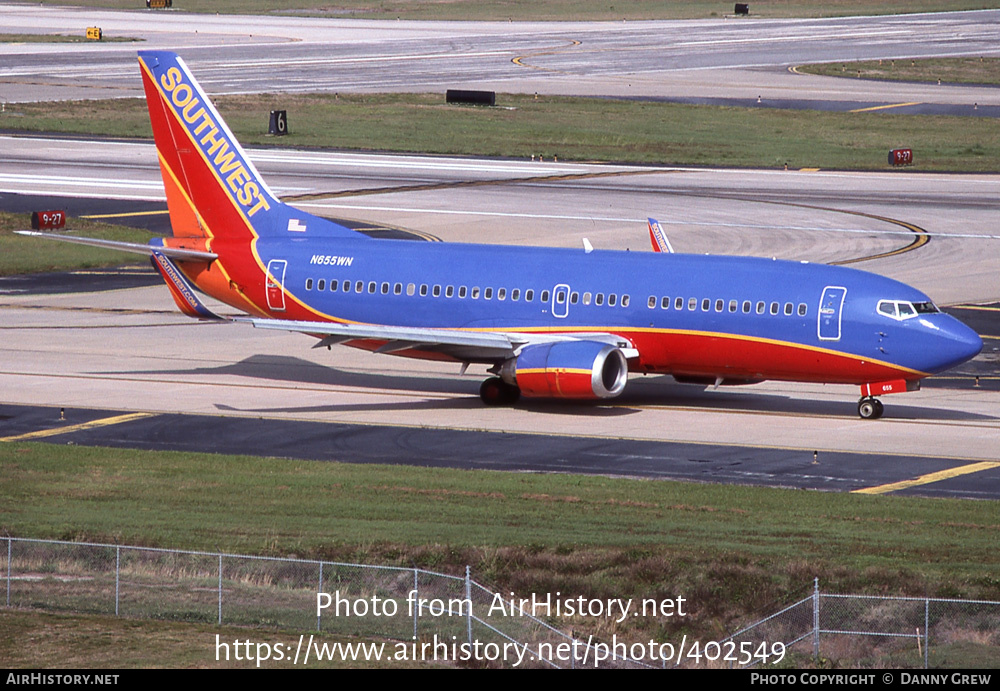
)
(442, 614)
(437, 611)
(880, 632)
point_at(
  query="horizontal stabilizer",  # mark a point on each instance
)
(133, 247)
(181, 289)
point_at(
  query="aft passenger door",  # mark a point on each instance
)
(276, 284)
(831, 306)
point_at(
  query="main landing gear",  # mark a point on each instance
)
(495, 391)
(870, 408)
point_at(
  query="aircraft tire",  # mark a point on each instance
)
(870, 408)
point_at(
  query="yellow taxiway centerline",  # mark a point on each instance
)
(929, 478)
(103, 422)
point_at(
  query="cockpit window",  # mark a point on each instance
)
(901, 310)
(887, 308)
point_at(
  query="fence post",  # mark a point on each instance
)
(416, 601)
(220, 589)
(468, 599)
(927, 631)
(8, 570)
(319, 612)
(118, 563)
(816, 618)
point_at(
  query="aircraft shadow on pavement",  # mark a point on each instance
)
(662, 390)
(461, 393)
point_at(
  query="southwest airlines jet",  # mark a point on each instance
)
(549, 323)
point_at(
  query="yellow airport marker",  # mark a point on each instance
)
(929, 478)
(104, 422)
(891, 105)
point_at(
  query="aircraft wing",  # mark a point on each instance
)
(464, 346)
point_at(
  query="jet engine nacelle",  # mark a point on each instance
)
(568, 369)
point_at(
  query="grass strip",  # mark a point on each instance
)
(973, 70)
(43, 640)
(733, 551)
(582, 129)
(24, 255)
(59, 38)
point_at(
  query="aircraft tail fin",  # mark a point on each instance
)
(657, 238)
(213, 189)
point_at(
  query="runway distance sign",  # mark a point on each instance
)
(901, 157)
(48, 220)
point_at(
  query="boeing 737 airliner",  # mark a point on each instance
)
(556, 323)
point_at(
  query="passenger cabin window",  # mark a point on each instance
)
(449, 291)
(372, 286)
(545, 295)
(652, 301)
(321, 284)
(803, 309)
(488, 293)
(309, 284)
(515, 294)
(423, 290)
(679, 304)
(462, 292)
(529, 295)
(665, 303)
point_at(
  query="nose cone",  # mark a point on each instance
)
(957, 344)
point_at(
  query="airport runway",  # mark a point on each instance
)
(112, 353)
(712, 58)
